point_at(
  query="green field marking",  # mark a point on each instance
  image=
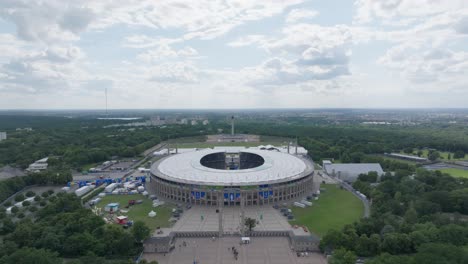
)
(459, 173)
(334, 209)
(140, 211)
(425, 152)
(224, 144)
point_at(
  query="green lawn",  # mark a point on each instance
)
(140, 211)
(210, 145)
(456, 172)
(396, 159)
(333, 210)
(443, 154)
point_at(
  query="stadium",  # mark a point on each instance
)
(230, 175)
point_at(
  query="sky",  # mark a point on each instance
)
(162, 54)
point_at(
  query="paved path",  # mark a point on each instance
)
(261, 250)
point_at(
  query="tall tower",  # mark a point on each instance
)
(232, 125)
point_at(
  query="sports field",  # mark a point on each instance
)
(443, 154)
(335, 209)
(456, 172)
(140, 211)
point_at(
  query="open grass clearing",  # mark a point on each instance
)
(140, 211)
(234, 144)
(334, 209)
(459, 173)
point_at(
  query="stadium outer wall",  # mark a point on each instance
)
(231, 195)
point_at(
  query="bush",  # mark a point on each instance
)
(33, 209)
(50, 192)
(2, 215)
(30, 194)
(20, 215)
(53, 198)
(19, 197)
(7, 204)
(14, 209)
(45, 194)
(26, 203)
(37, 198)
(43, 203)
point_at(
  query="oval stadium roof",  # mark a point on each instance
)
(186, 168)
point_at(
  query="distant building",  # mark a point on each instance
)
(157, 121)
(406, 157)
(38, 165)
(205, 122)
(349, 172)
(184, 121)
(3, 136)
(194, 122)
(27, 129)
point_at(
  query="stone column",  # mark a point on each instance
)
(242, 201)
(220, 213)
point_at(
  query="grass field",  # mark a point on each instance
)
(443, 154)
(456, 172)
(140, 211)
(210, 145)
(396, 159)
(333, 210)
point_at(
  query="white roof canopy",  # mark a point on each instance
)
(186, 168)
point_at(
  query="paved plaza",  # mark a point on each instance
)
(205, 218)
(261, 250)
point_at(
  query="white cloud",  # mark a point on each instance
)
(296, 15)
(165, 52)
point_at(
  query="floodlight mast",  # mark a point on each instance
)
(232, 125)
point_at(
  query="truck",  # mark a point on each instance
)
(111, 187)
(298, 204)
(82, 191)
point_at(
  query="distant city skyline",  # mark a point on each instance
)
(233, 54)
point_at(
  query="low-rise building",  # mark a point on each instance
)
(349, 172)
(38, 165)
(3, 136)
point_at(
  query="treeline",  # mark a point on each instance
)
(417, 218)
(63, 229)
(350, 143)
(10, 186)
(83, 141)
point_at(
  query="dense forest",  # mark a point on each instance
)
(416, 218)
(78, 142)
(76, 234)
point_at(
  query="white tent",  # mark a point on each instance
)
(152, 213)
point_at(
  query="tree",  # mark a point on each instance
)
(459, 154)
(343, 256)
(19, 197)
(396, 243)
(408, 150)
(14, 209)
(140, 231)
(420, 153)
(433, 155)
(28, 255)
(411, 216)
(250, 223)
(440, 253)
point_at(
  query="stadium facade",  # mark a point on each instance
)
(231, 175)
